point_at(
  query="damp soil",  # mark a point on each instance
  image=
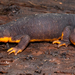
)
(39, 58)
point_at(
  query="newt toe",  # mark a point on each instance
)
(61, 43)
(14, 50)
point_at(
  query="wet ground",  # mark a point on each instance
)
(41, 58)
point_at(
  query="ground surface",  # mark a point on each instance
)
(38, 58)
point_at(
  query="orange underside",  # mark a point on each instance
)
(33, 40)
(9, 39)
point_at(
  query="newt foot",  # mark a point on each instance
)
(14, 50)
(61, 43)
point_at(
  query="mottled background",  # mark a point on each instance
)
(42, 58)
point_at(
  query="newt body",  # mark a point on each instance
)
(39, 27)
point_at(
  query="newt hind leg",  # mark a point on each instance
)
(64, 37)
(61, 43)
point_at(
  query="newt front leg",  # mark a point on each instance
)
(24, 40)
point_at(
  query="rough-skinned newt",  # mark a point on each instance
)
(39, 27)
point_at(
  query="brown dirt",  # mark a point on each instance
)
(42, 58)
